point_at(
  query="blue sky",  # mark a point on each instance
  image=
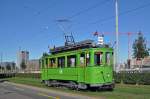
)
(31, 24)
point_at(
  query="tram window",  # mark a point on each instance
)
(108, 56)
(46, 64)
(42, 63)
(82, 59)
(61, 62)
(112, 57)
(52, 62)
(87, 59)
(98, 58)
(71, 61)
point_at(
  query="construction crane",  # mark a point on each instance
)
(148, 44)
(120, 33)
(129, 41)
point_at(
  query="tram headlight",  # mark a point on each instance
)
(108, 75)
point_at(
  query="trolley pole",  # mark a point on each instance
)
(117, 38)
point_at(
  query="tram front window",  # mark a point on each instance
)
(108, 58)
(98, 58)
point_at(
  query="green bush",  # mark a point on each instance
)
(132, 78)
(129, 78)
(28, 75)
(126, 78)
(145, 79)
(117, 77)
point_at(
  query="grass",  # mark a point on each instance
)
(121, 91)
(128, 92)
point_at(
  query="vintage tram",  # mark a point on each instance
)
(80, 65)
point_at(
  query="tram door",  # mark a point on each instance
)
(82, 67)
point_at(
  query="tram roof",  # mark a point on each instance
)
(78, 45)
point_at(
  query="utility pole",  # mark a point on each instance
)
(2, 61)
(117, 38)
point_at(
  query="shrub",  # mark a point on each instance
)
(28, 75)
(133, 78)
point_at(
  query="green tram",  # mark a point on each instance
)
(79, 66)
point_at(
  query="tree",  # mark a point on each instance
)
(23, 65)
(1, 67)
(45, 54)
(13, 65)
(139, 47)
(8, 67)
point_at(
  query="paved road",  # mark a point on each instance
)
(17, 91)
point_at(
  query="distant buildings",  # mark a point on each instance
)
(33, 65)
(22, 57)
(8, 65)
(29, 65)
(143, 63)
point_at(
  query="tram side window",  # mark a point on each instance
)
(46, 63)
(108, 58)
(82, 59)
(61, 62)
(87, 59)
(42, 63)
(71, 61)
(112, 57)
(98, 58)
(52, 62)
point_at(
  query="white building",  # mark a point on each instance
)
(143, 63)
(22, 56)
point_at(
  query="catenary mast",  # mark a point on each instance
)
(116, 58)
